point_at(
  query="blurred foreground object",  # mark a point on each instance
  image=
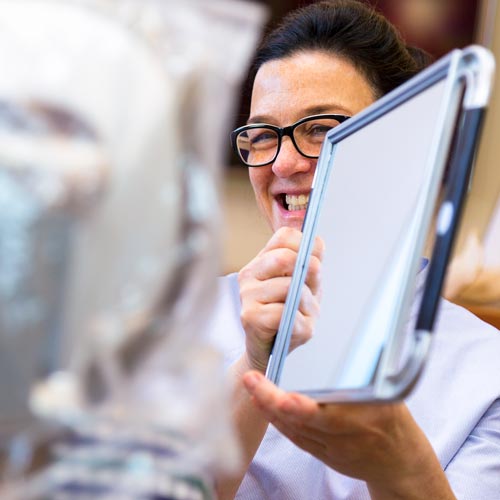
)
(113, 118)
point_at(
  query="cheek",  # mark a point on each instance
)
(260, 179)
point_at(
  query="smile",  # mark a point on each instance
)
(296, 202)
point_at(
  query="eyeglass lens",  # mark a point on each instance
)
(258, 146)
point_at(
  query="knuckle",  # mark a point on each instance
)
(247, 290)
(303, 332)
(242, 278)
(284, 235)
(248, 316)
(260, 319)
(245, 273)
(319, 246)
(284, 259)
(314, 265)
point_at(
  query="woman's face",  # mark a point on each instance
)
(286, 90)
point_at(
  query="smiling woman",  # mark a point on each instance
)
(286, 91)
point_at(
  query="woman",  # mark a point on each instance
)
(325, 63)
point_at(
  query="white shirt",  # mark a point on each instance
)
(456, 403)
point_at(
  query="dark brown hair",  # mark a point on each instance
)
(349, 29)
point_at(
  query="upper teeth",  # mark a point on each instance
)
(297, 202)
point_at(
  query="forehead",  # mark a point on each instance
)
(290, 88)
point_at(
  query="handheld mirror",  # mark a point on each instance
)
(385, 180)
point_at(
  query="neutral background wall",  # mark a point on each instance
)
(245, 231)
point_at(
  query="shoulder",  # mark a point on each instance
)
(452, 315)
(464, 353)
(464, 335)
(460, 381)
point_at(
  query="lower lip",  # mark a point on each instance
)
(289, 215)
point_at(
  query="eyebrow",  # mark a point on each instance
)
(312, 110)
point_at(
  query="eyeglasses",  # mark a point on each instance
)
(259, 144)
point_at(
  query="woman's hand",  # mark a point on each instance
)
(264, 284)
(378, 443)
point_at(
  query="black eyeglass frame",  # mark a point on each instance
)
(281, 131)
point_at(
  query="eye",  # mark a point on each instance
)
(318, 129)
(262, 138)
(315, 130)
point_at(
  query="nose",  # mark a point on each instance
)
(289, 161)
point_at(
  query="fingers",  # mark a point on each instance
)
(302, 330)
(263, 320)
(275, 402)
(284, 237)
(364, 441)
(319, 420)
(311, 426)
(309, 302)
(261, 325)
(278, 259)
(264, 284)
(275, 290)
(318, 248)
(279, 263)
(299, 411)
(313, 278)
(264, 317)
(287, 237)
(294, 415)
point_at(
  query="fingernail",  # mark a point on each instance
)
(251, 380)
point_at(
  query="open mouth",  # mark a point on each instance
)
(294, 203)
